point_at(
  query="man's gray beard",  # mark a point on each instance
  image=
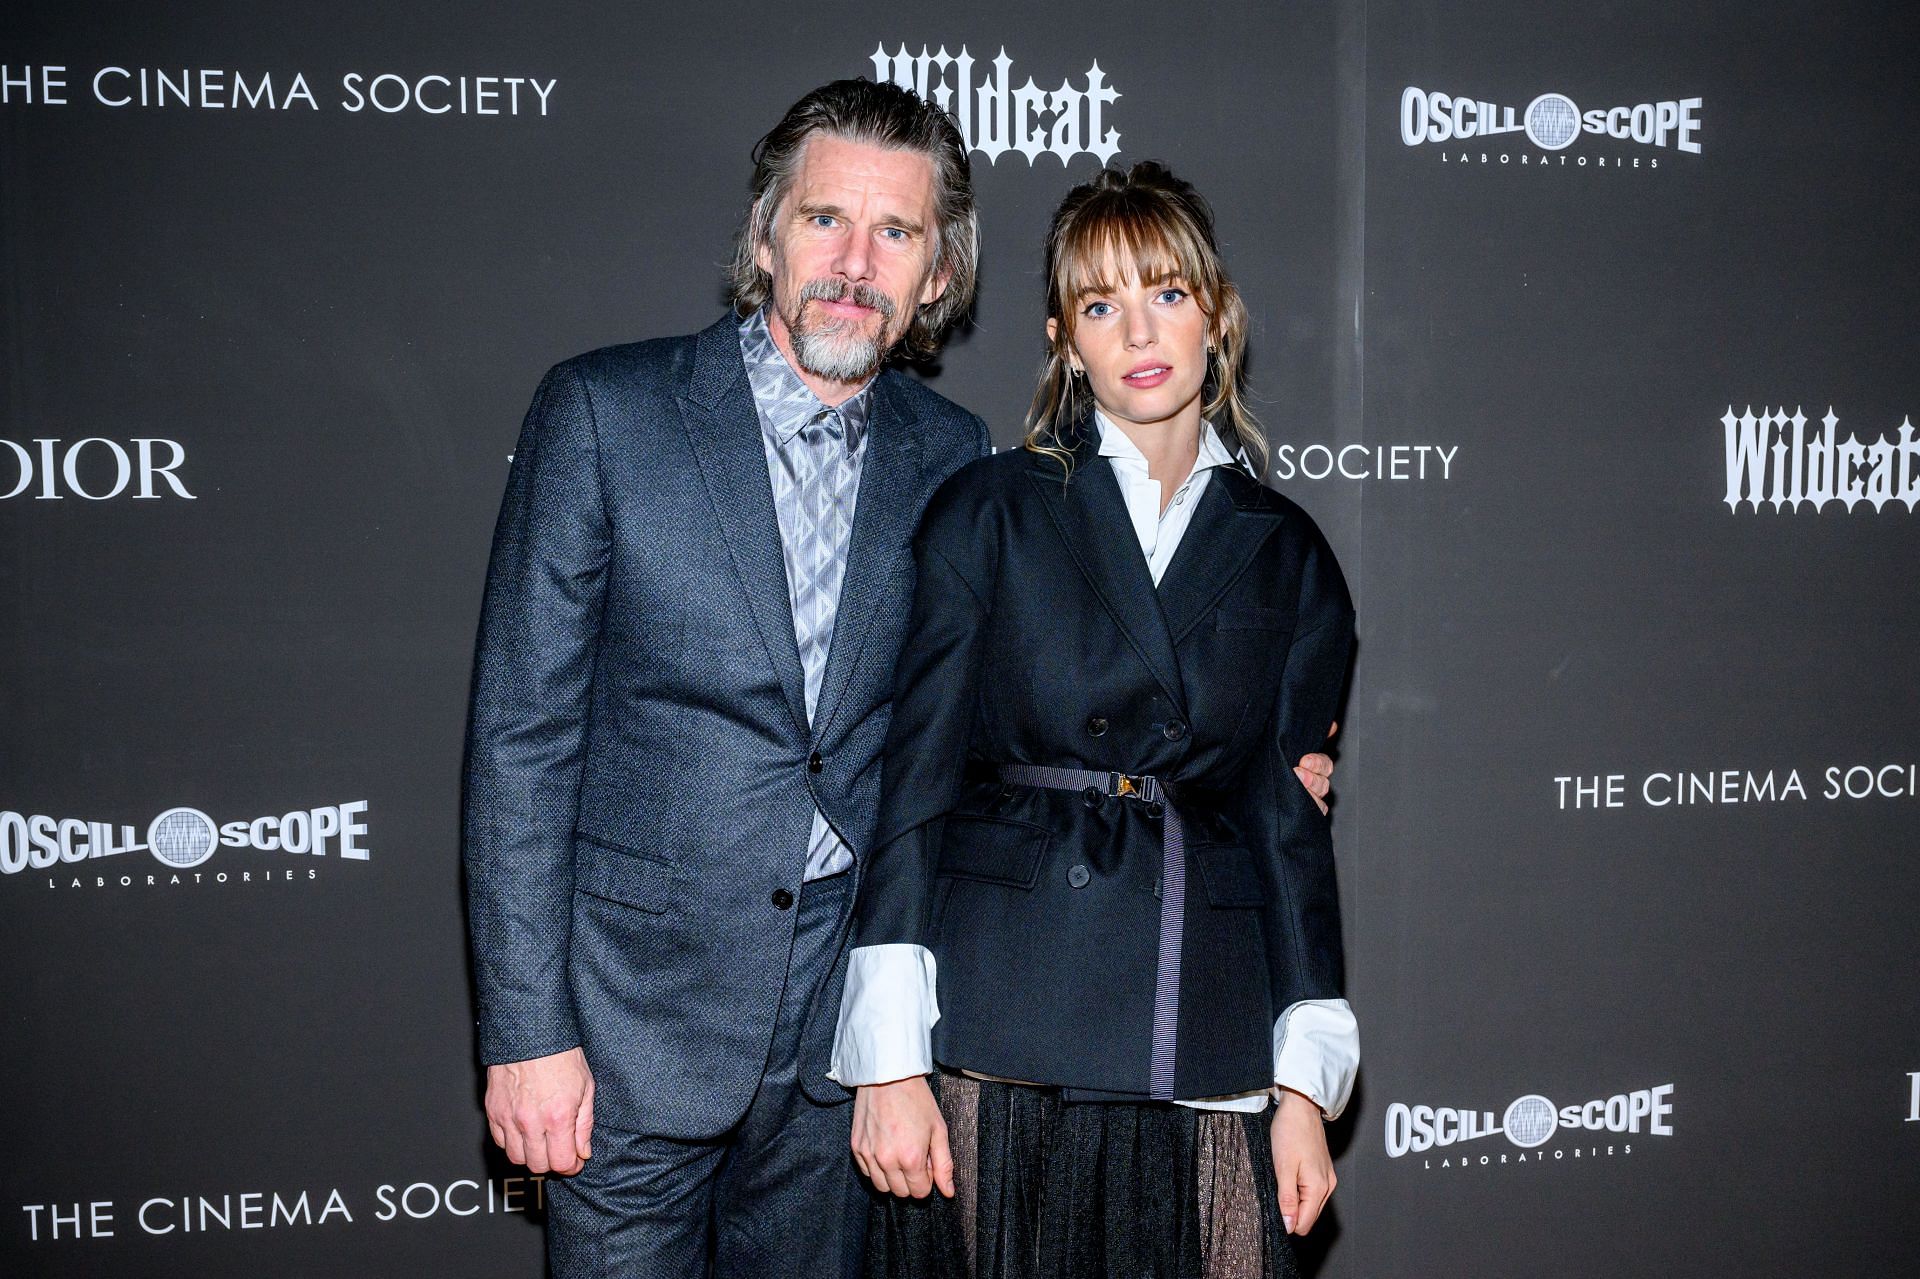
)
(833, 355)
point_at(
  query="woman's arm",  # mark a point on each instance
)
(883, 1042)
(1291, 840)
(1316, 1043)
(888, 1009)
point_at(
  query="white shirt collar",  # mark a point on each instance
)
(1159, 520)
(1115, 442)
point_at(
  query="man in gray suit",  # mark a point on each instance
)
(686, 651)
(698, 589)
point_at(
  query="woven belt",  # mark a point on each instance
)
(1173, 894)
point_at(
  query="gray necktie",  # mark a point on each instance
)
(815, 565)
(824, 521)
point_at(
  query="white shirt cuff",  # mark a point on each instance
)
(887, 1014)
(1316, 1051)
(1248, 1103)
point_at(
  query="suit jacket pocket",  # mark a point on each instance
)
(1248, 618)
(994, 850)
(621, 875)
(1232, 878)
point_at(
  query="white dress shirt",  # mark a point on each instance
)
(890, 1006)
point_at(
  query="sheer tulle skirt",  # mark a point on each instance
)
(1087, 1190)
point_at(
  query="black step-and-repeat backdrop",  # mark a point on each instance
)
(1586, 331)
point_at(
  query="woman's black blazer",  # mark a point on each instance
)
(1038, 637)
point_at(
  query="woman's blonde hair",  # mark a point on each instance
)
(1151, 221)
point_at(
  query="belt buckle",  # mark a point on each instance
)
(1127, 786)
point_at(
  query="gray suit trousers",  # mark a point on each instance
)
(776, 1195)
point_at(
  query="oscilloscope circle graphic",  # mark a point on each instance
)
(1529, 1121)
(182, 837)
(1553, 121)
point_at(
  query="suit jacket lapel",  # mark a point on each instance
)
(1092, 518)
(1233, 520)
(884, 515)
(724, 428)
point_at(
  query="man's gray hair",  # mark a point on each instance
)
(883, 115)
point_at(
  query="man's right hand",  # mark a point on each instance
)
(541, 1111)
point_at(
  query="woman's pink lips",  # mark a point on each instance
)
(1151, 379)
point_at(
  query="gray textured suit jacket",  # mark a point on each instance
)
(641, 775)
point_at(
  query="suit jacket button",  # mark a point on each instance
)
(1156, 808)
(815, 763)
(1175, 730)
(782, 898)
(1090, 797)
(1078, 876)
(1097, 726)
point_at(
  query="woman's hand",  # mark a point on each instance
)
(1315, 772)
(1300, 1161)
(900, 1140)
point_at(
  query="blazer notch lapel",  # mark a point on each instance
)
(884, 515)
(1091, 517)
(723, 429)
(1228, 530)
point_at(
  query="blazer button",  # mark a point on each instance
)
(1175, 730)
(1156, 808)
(1090, 797)
(782, 899)
(1097, 726)
(1078, 876)
(814, 765)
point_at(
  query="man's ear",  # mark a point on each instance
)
(762, 247)
(935, 286)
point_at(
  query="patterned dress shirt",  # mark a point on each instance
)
(814, 452)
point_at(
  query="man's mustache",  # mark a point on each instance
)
(848, 291)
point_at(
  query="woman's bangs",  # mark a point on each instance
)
(1109, 249)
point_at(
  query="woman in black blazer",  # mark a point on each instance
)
(1099, 910)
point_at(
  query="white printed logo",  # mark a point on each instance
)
(94, 468)
(1364, 461)
(1773, 458)
(181, 839)
(211, 1211)
(1552, 121)
(994, 117)
(1529, 1122)
(229, 89)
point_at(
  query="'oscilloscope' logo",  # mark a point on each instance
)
(1552, 121)
(181, 839)
(1529, 1121)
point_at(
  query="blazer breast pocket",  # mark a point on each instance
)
(1230, 617)
(621, 875)
(992, 850)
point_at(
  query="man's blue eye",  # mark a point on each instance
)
(823, 219)
(895, 233)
